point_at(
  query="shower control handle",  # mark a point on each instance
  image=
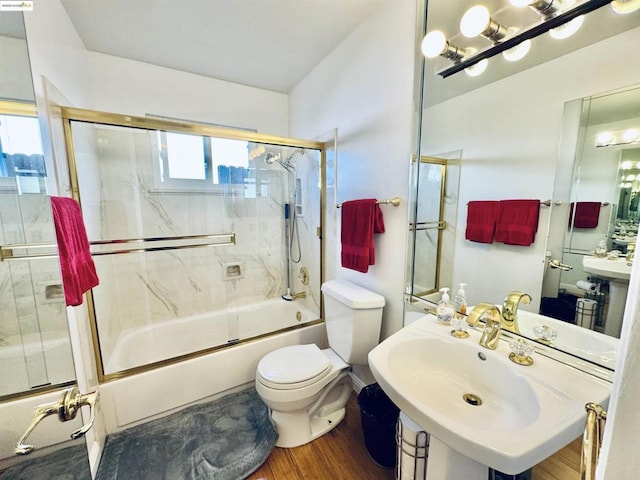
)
(67, 408)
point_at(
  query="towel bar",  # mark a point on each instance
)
(395, 201)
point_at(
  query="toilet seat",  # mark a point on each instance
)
(293, 367)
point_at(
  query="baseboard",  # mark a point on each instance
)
(358, 383)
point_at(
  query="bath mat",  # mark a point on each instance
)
(70, 463)
(227, 439)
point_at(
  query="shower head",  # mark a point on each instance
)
(271, 158)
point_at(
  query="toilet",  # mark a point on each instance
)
(307, 389)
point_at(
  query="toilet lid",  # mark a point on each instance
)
(293, 364)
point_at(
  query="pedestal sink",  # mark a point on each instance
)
(617, 272)
(482, 410)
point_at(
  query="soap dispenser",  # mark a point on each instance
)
(461, 299)
(445, 309)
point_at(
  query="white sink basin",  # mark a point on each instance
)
(584, 343)
(527, 413)
(618, 269)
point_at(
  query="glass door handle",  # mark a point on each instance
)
(67, 408)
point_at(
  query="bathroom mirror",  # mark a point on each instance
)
(519, 132)
(35, 348)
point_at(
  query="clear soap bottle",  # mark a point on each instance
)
(445, 309)
(461, 299)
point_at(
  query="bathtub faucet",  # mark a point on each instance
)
(302, 294)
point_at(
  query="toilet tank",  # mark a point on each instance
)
(353, 317)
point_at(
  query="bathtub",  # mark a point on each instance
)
(138, 398)
(174, 338)
(35, 359)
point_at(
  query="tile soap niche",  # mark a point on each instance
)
(232, 271)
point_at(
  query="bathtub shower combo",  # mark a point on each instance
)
(203, 237)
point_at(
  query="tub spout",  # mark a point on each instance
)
(510, 310)
(295, 296)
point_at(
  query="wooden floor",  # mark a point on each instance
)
(341, 455)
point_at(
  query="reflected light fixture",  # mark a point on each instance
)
(625, 6)
(568, 29)
(435, 44)
(519, 51)
(612, 139)
(477, 69)
(630, 135)
(477, 21)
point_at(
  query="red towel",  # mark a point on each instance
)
(517, 222)
(78, 269)
(586, 214)
(360, 220)
(481, 220)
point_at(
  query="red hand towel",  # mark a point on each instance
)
(360, 220)
(78, 269)
(517, 222)
(586, 214)
(481, 220)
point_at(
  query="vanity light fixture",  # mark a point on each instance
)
(546, 8)
(436, 44)
(477, 21)
(554, 13)
(625, 6)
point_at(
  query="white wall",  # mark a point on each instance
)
(364, 88)
(509, 132)
(136, 88)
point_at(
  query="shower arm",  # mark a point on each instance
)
(67, 407)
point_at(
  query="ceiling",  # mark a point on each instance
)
(269, 44)
(273, 44)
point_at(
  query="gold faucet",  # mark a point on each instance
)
(510, 310)
(295, 296)
(492, 324)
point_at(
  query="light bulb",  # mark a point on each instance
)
(433, 44)
(478, 68)
(475, 21)
(519, 51)
(630, 135)
(604, 138)
(626, 165)
(568, 29)
(625, 6)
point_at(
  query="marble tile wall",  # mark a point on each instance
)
(124, 199)
(34, 343)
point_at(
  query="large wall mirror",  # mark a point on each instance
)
(36, 360)
(527, 130)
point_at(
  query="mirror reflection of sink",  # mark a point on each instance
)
(525, 415)
(618, 269)
(578, 341)
(617, 272)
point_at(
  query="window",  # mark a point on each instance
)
(193, 162)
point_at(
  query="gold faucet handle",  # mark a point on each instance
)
(67, 408)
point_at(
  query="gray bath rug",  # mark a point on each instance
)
(227, 439)
(67, 464)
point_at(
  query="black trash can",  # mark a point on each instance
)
(379, 417)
